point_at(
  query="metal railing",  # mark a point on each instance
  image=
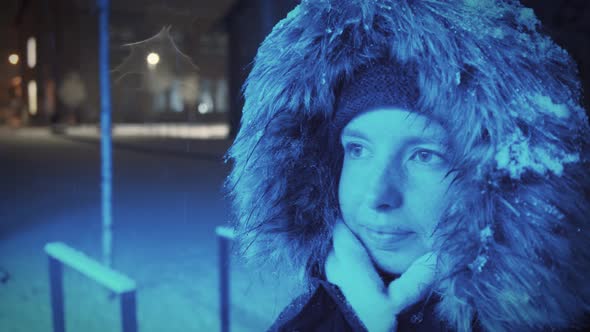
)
(60, 254)
(225, 236)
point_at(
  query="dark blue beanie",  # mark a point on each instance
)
(381, 84)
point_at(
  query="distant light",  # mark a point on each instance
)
(153, 59)
(178, 130)
(31, 52)
(16, 81)
(32, 92)
(203, 108)
(13, 59)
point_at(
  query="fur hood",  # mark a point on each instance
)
(516, 239)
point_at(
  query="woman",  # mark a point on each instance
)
(423, 164)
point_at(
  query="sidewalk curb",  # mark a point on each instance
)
(183, 148)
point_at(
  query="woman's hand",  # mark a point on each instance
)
(349, 266)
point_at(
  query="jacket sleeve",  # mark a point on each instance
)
(323, 309)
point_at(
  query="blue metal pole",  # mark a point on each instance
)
(57, 294)
(129, 311)
(224, 310)
(105, 130)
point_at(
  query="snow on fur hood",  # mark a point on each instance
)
(516, 238)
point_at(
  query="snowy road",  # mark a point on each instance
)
(167, 203)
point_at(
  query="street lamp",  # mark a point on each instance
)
(31, 52)
(13, 59)
(203, 108)
(153, 59)
(32, 94)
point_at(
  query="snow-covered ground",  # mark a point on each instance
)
(167, 202)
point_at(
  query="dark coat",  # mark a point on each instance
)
(324, 308)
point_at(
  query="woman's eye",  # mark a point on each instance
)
(355, 150)
(427, 157)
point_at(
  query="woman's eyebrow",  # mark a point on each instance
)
(414, 139)
(354, 133)
(436, 139)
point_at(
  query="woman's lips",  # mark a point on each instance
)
(386, 239)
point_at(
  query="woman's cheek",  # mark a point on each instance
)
(428, 239)
(432, 219)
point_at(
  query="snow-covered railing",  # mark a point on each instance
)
(225, 235)
(59, 255)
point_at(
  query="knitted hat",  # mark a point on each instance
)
(381, 84)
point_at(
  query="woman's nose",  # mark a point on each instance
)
(385, 190)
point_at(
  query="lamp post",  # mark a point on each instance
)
(105, 131)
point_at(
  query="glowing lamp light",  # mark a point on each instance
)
(203, 108)
(16, 81)
(31, 52)
(13, 59)
(32, 94)
(153, 59)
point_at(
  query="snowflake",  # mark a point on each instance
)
(516, 156)
(547, 105)
(479, 263)
(486, 234)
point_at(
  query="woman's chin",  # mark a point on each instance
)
(394, 262)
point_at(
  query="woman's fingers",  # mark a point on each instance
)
(412, 285)
(350, 262)
(346, 244)
(350, 268)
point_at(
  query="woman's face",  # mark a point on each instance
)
(393, 187)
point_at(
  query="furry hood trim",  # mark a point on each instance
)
(516, 240)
